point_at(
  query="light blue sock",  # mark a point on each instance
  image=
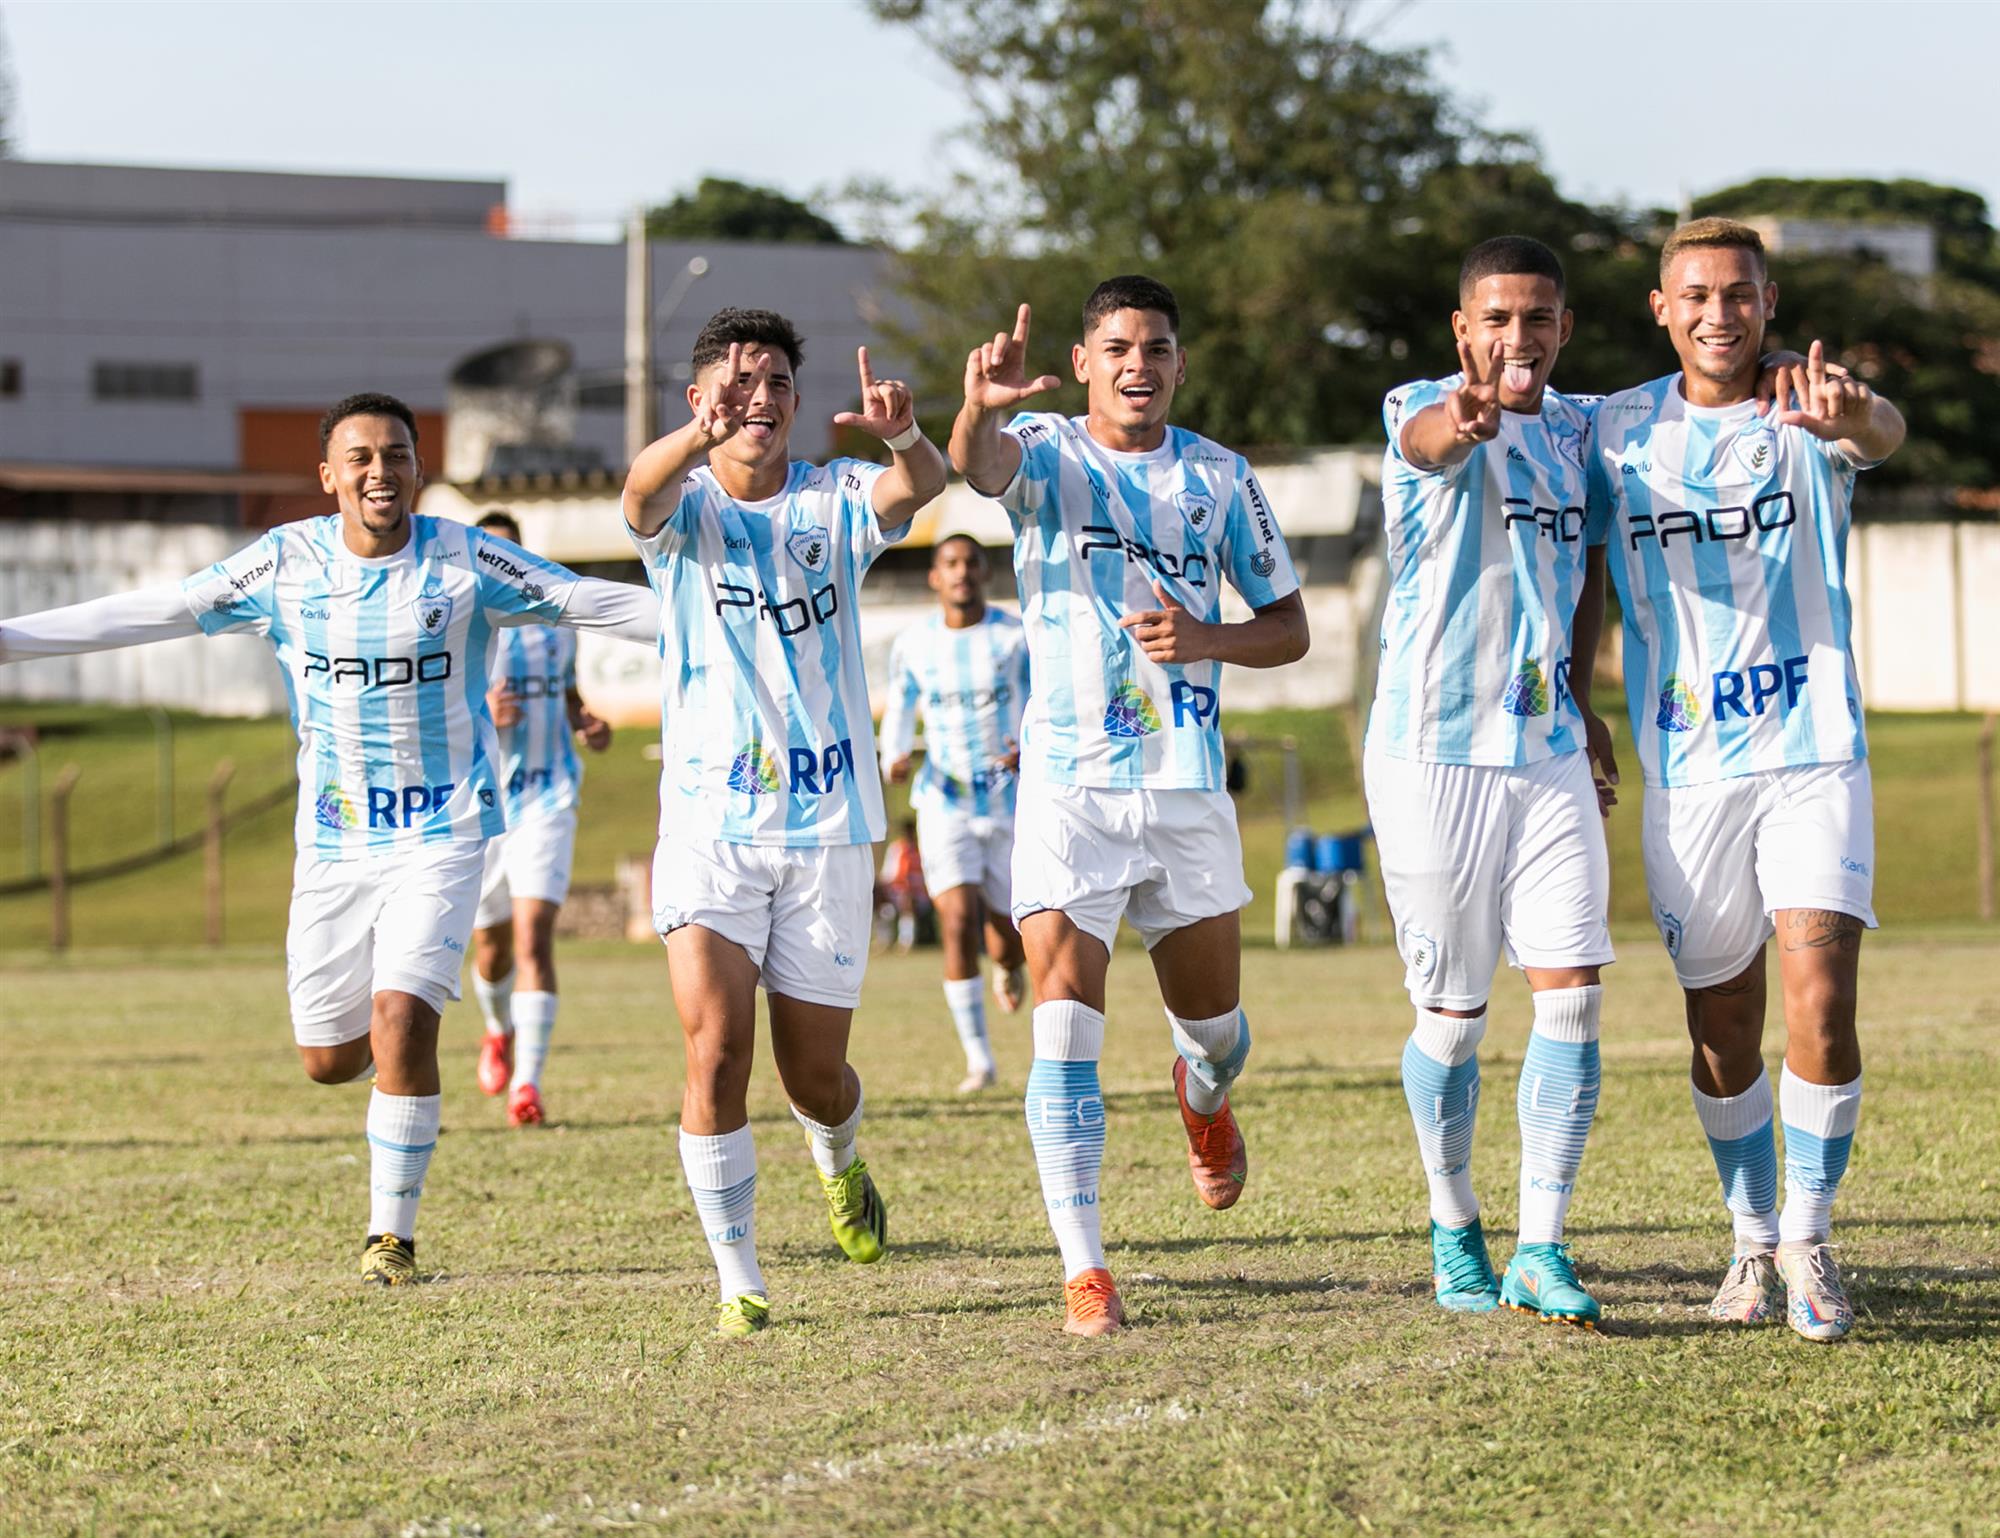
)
(1819, 1131)
(1556, 1104)
(1441, 1083)
(1746, 1157)
(1065, 1108)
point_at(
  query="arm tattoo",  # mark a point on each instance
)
(1819, 929)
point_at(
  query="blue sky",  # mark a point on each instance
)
(589, 109)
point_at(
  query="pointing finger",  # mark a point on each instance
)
(867, 378)
(1021, 317)
(1816, 365)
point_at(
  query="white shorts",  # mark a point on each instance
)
(1161, 859)
(804, 915)
(962, 850)
(1475, 857)
(363, 927)
(1722, 858)
(531, 859)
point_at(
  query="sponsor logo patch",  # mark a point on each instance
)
(334, 810)
(1680, 709)
(1528, 693)
(755, 771)
(1130, 713)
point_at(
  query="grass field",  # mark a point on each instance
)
(186, 1348)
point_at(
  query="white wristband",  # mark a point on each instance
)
(905, 440)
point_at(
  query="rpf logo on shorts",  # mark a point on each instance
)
(1420, 952)
(1670, 931)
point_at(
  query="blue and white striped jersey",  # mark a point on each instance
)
(539, 768)
(970, 687)
(1486, 561)
(767, 736)
(1094, 528)
(385, 664)
(1728, 545)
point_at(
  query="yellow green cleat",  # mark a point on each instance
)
(741, 1316)
(856, 1213)
(388, 1261)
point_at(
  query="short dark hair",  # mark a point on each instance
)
(499, 518)
(1132, 291)
(1710, 234)
(1509, 256)
(369, 403)
(766, 328)
(938, 549)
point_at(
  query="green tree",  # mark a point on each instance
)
(719, 209)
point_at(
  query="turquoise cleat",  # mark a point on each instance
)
(1460, 1269)
(1541, 1279)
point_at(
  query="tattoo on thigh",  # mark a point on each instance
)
(1821, 929)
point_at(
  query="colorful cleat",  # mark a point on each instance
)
(856, 1213)
(496, 1063)
(1541, 1279)
(1217, 1158)
(388, 1261)
(1094, 1307)
(1816, 1303)
(741, 1316)
(1461, 1271)
(1010, 987)
(977, 1079)
(1749, 1291)
(524, 1107)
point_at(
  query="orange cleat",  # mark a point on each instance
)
(524, 1107)
(496, 1063)
(1094, 1305)
(1216, 1156)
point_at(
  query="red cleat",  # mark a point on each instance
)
(1216, 1156)
(496, 1063)
(524, 1107)
(1094, 1305)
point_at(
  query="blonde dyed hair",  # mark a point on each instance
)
(1703, 234)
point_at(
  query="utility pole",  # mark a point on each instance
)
(640, 425)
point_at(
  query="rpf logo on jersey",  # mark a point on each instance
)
(1197, 507)
(1756, 447)
(810, 548)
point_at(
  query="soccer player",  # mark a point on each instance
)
(1125, 529)
(539, 714)
(770, 800)
(964, 672)
(1727, 530)
(381, 619)
(1479, 790)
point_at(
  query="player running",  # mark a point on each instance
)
(769, 796)
(1125, 529)
(964, 673)
(381, 620)
(539, 714)
(1728, 537)
(1478, 786)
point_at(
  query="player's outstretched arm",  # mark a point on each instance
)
(1586, 627)
(1273, 635)
(653, 484)
(1446, 432)
(917, 473)
(620, 609)
(1838, 408)
(996, 385)
(101, 624)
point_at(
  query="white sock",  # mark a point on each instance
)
(402, 1132)
(722, 1177)
(906, 931)
(1738, 1128)
(1556, 1104)
(1215, 1051)
(1065, 1109)
(966, 1000)
(1441, 1083)
(534, 1021)
(495, 1002)
(1819, 1130)
(832, 1147)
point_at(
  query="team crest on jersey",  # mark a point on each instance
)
(810, 548)
(1130, 713)
(1567, 439)
(1528, 694)
(755, 771)
(433, 613)
(1756, 448)
(1670, 931)
(333, 810)
(1420, 952)
(1680, 709)
(1197, 507)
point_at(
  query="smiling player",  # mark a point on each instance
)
(1728, 539)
